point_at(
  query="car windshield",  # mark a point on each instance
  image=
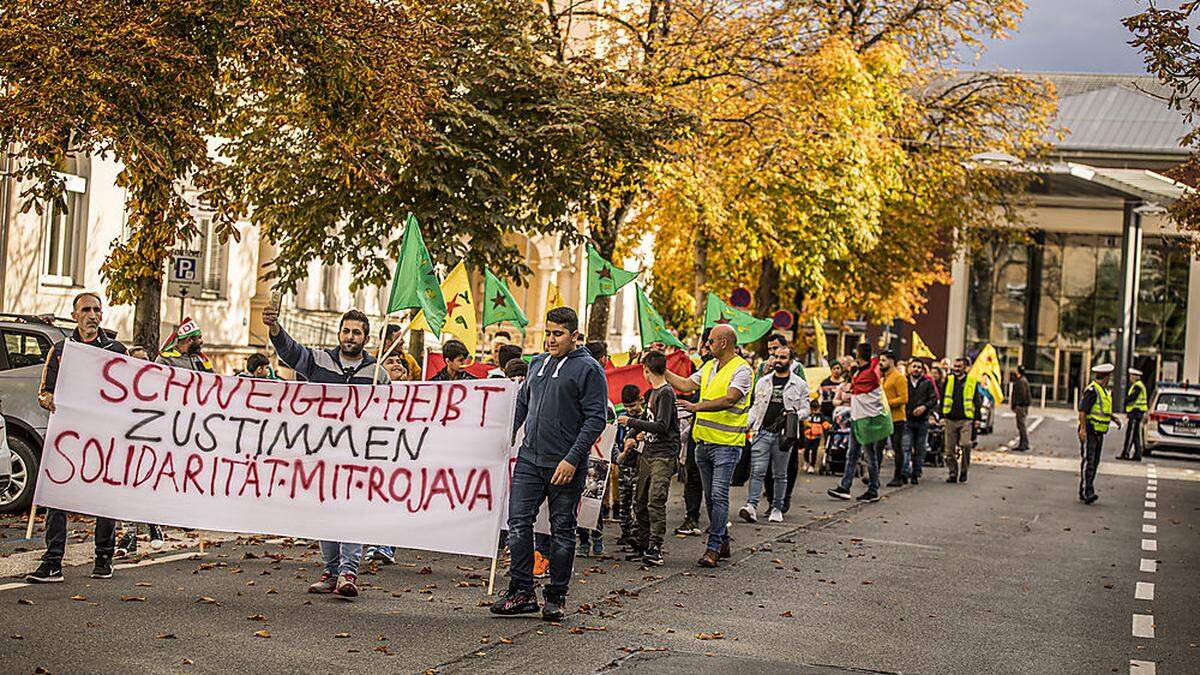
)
(1178, 403)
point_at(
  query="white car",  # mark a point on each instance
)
(1173, 421)
(6, 463)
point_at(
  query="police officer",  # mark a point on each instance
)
(1095, 414)
(1135, 408)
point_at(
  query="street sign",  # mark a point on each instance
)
(183, 275)
(740, 297)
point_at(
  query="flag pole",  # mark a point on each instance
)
(29, 526)
(492, 575)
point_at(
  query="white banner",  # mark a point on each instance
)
(416, 464)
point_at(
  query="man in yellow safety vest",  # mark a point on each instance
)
(1136, 404)
(1095, 415)
(722, 417)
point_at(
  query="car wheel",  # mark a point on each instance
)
(19, 493)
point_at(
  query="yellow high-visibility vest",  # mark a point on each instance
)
(968, 396)
(1100, 414)
(1137, 398)
(727, 427)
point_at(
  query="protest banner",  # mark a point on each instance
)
(413, 464)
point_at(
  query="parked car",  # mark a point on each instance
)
(1173, 421)
(27, 342)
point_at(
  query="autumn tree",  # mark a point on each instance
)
(1172, 55)
(841, 160)
(156, 85)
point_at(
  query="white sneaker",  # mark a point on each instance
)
(749, 513)
(776, 516)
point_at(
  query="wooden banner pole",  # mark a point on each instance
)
(492, 575)
(29, 525)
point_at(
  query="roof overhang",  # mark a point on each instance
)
(1129, 184)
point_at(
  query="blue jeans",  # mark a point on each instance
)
(716, 464)
(768, 448)
(341, 558)
(916, 444)
(874, 454)
(530, 486)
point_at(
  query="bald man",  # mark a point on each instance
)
(721, 418)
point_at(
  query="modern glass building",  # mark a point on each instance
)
(1097, 274)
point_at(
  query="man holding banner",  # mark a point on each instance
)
(349, 363)
(563, 405)
(87, 312)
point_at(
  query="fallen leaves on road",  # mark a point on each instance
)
(165, 636)
(133, 598)
(262, 633)
(204, 599)
(787, 614)
(710, 636)
(257, 617)
(186, 662)
(341, 635)
(79, 598)
(143, 584)
(16, 636)
(506, 641)
(24, 601)
(425, 570)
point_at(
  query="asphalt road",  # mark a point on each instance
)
(1008, 573)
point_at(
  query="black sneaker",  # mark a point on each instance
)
(952, 479)
(869, 496)
(127, 545)
(653, 556)
(1090, 499)
(916, 480)
(895, 482)
(635, 553)
(515, 601)
(962, 478)
(553, 610)
(46, 573)
(156, 537)
(838, 493)
(103, 569)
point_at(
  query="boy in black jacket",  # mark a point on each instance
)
(656, 461)
(627, 460)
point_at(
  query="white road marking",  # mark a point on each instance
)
(1150, 504)
(1141, 667)
(145, 562)
(900, 543)
(1143, 591)
(1148, 565)
(1149, 529)
(1150, 515)
(1143, 626)
(1153, 482)
(1149, 544)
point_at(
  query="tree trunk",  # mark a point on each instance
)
(147, 314)
(609, 219)
(700, 270)
(597, 325)
(766, 296)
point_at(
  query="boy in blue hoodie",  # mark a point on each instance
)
(563, 404)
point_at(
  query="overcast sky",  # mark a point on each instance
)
(1070, 36)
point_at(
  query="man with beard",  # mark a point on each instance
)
(777, 395)
(348, 363)
(87, 312)
(183, 349)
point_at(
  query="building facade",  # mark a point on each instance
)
(1098, 273)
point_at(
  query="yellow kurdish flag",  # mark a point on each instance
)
(919, 349)
(460, 309)
(986, 370)
(553, 297)
(822, 345)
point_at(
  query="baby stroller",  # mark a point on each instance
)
(837, 442)
(936, 442)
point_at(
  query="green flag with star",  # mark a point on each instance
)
(651, 324)
(604, 278)
(748, 327)
(415, 283)
(499, 304)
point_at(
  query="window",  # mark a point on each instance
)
(214, 259)
(63, 234)
(25, 349)
(330, 275)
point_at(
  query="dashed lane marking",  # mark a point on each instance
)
(1150, 515)
(1148, 565)
(1150, 504)
(1143, 626)
(1143, 591)
(1141, 667)
(1149, 544)
(1149, 529)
